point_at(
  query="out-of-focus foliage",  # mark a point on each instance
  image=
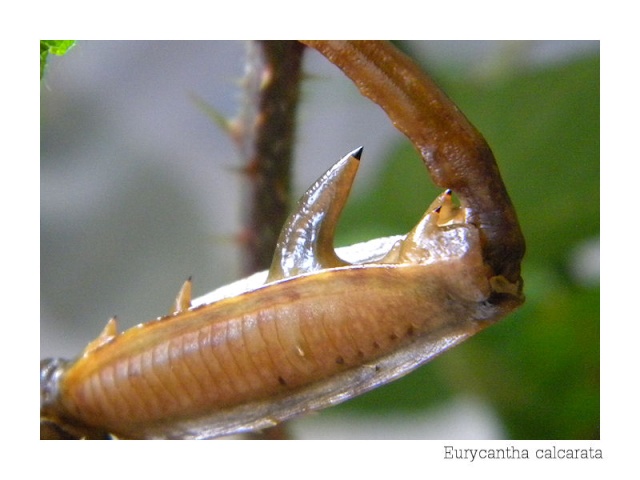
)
(55, 47)
(540, 367)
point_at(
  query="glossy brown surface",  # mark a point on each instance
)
(317, 316)
(261, 344)
(455, 153)
(320, 330)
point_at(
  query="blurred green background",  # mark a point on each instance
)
(138, 192)
(539, 369)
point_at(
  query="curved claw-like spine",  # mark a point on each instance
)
(456, 154)
(183, 299)
(448, 213)
(439, 236)
(320, 330)
(306, 240)
(109, 332)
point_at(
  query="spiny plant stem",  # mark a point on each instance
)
(273, 77)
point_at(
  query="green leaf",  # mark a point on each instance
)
(55, 47)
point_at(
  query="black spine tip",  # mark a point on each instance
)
(357, 153)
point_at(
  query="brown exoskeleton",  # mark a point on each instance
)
(320, 326)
